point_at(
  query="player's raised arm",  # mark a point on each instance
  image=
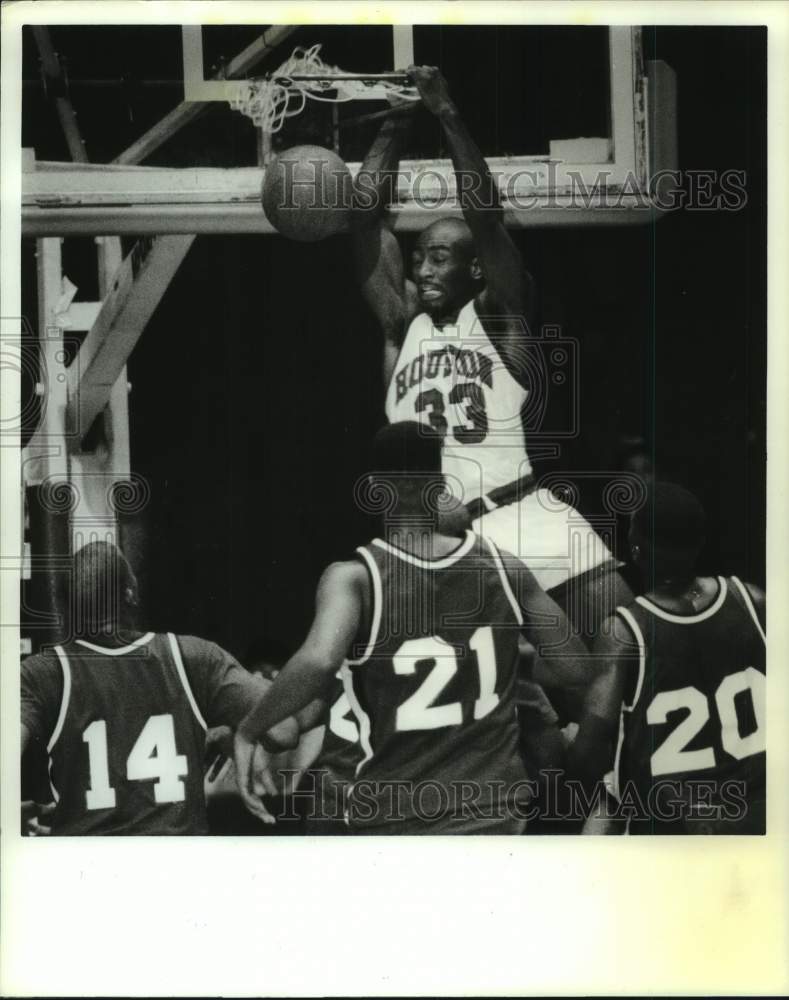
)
(304, 677)
(508, 288)
(377, 256)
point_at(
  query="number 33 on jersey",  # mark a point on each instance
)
(455, 380)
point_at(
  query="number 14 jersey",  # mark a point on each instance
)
(126, 756)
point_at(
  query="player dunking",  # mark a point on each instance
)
(425, 628)
(123, 713)
(684, 680)
(456, 356)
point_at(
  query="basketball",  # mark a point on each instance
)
(305, 193)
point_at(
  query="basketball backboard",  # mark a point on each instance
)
(202, 43)
(550, 108)
(571, 120)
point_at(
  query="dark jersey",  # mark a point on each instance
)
(326, 784)
(341, 752)
(434, 691)
(692, 739)
(126, 746)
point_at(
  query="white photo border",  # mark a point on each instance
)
(377, 916)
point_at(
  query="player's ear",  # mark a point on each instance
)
(476, 269)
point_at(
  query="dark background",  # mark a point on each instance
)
(256, 386)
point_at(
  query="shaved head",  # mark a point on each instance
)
(452, 232)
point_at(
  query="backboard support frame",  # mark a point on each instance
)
(599, 181)
(627, 144)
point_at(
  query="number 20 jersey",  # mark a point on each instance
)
(126, 756)
(455, 380)
(434, 688)
(697, 715)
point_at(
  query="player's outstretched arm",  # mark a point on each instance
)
(377, 257)
(562, 659)
(592, 753)
(508, 288)
(304, 677)
(226, 691)
(313, 715)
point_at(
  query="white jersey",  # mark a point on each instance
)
(455, 380)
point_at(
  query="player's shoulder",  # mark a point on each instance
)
(41, 674)
(755, 591)
(616, 635)
(197, 651)
(344, 584)
(343, 573)
(192, 641)
(514, 567)
(486, 545)
(756, 594)
(39, 664)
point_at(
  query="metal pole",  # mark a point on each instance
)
(247, 217)
(401, 78)
(65, 112)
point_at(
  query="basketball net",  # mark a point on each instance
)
(271, 100)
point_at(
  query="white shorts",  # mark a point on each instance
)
(550, 537)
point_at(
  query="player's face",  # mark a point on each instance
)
(441, 271)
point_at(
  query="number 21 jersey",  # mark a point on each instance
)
(434, 689)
